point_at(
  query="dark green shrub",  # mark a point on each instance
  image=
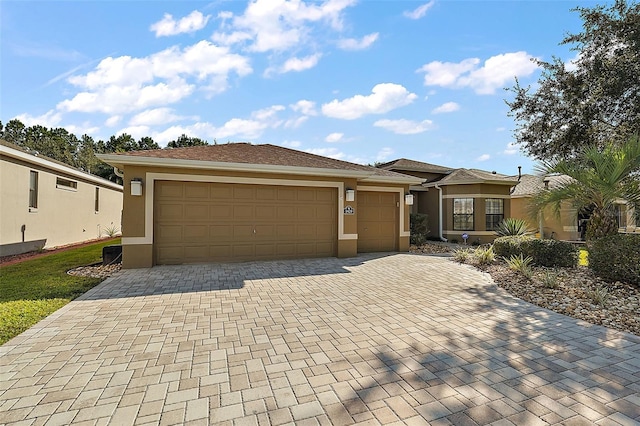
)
(616, 258)
(510, 245)
(419, 226)
(550, 253)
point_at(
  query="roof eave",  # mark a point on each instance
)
(120, 161)
(471, 182)
(20, 155)
(392, 179)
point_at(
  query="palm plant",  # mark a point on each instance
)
(595, 180)
(512, 226)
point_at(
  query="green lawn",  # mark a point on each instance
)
(31, 290)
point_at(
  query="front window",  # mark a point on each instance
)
(621, 215)
(33, 190)
(494, 212)
(463, 214)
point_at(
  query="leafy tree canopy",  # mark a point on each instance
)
(184, 141)
(594, 100)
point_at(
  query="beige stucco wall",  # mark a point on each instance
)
(138, 246)
(63, 216)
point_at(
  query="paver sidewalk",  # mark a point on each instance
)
(378, 339)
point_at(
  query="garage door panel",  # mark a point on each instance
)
(170, 212)
(221, 212)
(196, 212)
(239, 222)
(388, 214)
(170, 232)
(196, 191)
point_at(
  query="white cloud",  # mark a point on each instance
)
(334, 137)
(168, 26)
(154, 117)
(511, 149)
(292, 144)
(420, 11)
(136, 132)
(493, 74)
(328, 152)
(113, 120)
(384, 97)
(126, 84)
(305, 107)
(384, 154)
(279, 24)
(483, 157)
(501, 129)
(355, 44)
(405, 127)
(295, 64)
(446, 107)
(294, 123)
(50, 118)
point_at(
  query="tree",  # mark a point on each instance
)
(147, 142)
(184, 141)
(592, 102)
(598, 178)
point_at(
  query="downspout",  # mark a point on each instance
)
(118, 172)
(440, 213)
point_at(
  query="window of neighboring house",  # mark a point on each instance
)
(33, 190)
(97, 203)
(621, 215)
(463, 214)
(494, 212)
(63, 183)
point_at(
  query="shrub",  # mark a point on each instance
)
(521, 264)
(550, 280)
(616, 258)
(111, 231)
(419, 227)
(599, 296)
(512, 226)
(484, 255)
(550, 253)
(462, 255)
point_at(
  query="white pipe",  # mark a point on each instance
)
(440, 214)
(118, 172)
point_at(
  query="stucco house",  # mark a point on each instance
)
(241, 202)
(458, 202)
(45, 203)
(569, 224)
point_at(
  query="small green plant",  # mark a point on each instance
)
(550, 280)
(484, 255)
(111, 231)
(462, 255)
(512, 226)
(600, 296)
(521, 264)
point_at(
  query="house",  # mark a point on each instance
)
(458, 202)
(240, 202)
(569, 224)
(45, 203)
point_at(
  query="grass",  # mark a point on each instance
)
(583, 259)
(33, 289)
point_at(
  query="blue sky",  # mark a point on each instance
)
(361, 81)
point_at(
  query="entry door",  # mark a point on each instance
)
(378, 222)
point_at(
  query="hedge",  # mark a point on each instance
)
(616, 258)
(550, 253)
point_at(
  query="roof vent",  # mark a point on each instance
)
(493, 172)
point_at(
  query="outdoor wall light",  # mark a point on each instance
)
(136, 186)
(350, 195)
(408, 199)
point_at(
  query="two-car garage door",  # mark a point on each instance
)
(218, 222)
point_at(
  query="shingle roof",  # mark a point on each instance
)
(416, 166)
(532, 184)
(261, 154)
(474, 175)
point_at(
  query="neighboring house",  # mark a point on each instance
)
(569, 224)
(241, 202)
(44, 203)
(458, 201)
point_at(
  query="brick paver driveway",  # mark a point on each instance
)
(376, 339)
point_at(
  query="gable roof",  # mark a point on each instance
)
(245, 156)
(14, 151)
(532, 184)
(470, 176)
(414, 166)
